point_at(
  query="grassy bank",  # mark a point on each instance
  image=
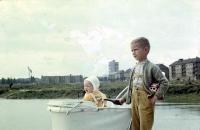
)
(187, 90)
(48, 91)
(192, 97)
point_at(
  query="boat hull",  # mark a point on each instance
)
(86, 115)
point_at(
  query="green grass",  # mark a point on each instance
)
(48, 91)
(177, 89)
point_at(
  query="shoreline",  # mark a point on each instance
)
(183, 98)
(180, 97)
(188, 91)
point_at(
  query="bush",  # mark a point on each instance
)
(183, 89)
(4, 90)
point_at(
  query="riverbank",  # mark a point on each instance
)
(186, 98)
(177, 90)
(55, 91)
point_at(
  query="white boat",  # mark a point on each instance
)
(85, 115)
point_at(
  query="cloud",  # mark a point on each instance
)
(108, 32)
(95, 43)
(90, 41)
(63, 37)
(39, 62)
(47, 25)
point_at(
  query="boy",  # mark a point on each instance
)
(139, 94)
(91, 86)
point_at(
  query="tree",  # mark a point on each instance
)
(3, 81)
(32, 79)
(8, 80)
(14, 80)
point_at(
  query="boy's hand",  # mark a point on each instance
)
(121, 100)
(153, 99)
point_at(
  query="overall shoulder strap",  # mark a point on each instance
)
(102, 99)
(137, 76)
(129, 92)
(95, 100)
(131, 78)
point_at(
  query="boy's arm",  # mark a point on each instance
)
(163, 82)
(153, 99)
(124, 96)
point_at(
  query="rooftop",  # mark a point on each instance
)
(190, 60)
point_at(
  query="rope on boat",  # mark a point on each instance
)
(74, 106)
(129, 127)
(120, 94)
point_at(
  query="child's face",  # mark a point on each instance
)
(88, 87)
(139, 53)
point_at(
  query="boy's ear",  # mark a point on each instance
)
(146, 49)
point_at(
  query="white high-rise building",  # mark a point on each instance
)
(113, 66)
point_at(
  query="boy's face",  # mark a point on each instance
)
(88, 87)
(139, 53)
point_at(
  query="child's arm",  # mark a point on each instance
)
(163, 82)
(122, 100)
(153, 99)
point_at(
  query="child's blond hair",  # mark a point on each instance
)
(143, 42)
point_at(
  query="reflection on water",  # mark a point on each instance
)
(177, 116)
(33, 115)
(24, 115)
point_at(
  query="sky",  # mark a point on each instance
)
(58, 38)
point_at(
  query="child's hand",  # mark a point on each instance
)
(153, 99)
(121, 100)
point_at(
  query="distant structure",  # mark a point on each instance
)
(62, 79)
(113, 66)
(44, 79)
(188, 69)
(29, 74)
(103, 78)
(117, 76)
(122, 75)
(15, 81)
(127, 74)
(113, 69)
(164, 69)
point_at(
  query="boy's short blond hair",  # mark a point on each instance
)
(143, 42)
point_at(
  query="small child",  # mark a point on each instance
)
(91, 86)
(139, 94)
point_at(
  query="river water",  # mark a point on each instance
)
(33, 115)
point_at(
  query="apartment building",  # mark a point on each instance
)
(164, 69)
(120, 75)
(62, 79)
(188, 69)
(113, 66)
(125, 75)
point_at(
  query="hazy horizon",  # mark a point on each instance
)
(81, 37)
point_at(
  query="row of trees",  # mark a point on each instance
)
(12, 81)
